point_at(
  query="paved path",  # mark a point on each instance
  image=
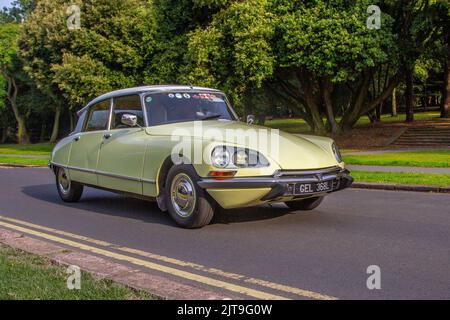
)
(25, 156)
(369, 152)
(327, 250)
(398, 169)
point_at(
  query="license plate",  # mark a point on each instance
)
(307, 188)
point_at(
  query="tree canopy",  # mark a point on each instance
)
(322, 59)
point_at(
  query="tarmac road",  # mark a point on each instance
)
(297, 255)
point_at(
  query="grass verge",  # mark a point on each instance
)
(30, 149)
(296, 125)
(425, 158)
(413, 178)
(26, 276)
(24, 161)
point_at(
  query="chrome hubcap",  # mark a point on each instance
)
(63, 181)
(183, 196)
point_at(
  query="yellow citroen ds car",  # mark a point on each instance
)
(185, 148)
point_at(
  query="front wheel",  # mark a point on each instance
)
(305, 205)
(187, 203)
(69, 191)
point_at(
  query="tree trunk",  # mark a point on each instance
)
(394, 103)
(311, 104)
(409, 94)
(327, 90)
(4, 134)
(445, 103)
(22, 134)
(352, 116)
(72, 120)
(42, 135)
(378, 112)
(55, 130)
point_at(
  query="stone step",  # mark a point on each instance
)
(424, 141)
(430, 135)
(427, 132)
(404, 144)
(426, 137)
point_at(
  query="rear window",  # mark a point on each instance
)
(80, 122)
(98, 116)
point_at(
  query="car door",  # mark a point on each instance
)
(86, 145)
(122, 150)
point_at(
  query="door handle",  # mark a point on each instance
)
(107, 135)
(76, 139)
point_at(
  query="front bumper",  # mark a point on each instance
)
(278, 185)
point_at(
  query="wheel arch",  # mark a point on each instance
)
(161, 177)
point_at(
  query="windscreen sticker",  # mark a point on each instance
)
(187, 96)
(210, 97)
(171, 95)
(148, 99)
(179, 96)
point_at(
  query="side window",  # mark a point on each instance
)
(126, 105)
(80, 123)
(98, 116)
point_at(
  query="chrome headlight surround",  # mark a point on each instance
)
(220, 157)
(227, 157)
(337, 152)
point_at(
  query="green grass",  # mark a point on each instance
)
(25, 276)
(24, 161)
(440, 180)
(29, 149)
(425, 158)
(300, 126)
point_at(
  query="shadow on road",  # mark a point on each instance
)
(116, 205)
(241, 215)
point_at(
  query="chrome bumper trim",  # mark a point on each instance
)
(279, 185)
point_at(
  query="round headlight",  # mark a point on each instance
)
(337, 153)
(220, 157)
(240, 158)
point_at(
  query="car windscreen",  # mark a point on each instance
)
(173, 107)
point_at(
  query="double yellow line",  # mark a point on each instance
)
(21, 226)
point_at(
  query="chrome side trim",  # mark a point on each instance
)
(102, 173)
(118, 176)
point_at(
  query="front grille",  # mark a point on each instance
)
(317, 174)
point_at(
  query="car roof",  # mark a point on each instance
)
(144, 89)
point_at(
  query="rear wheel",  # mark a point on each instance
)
(69, 191)
(187, 203)
(305, 205)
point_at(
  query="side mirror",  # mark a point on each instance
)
(250, 119)
(129, 120)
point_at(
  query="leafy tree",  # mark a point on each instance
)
(73, 66)
(418, 24)
(10, 68)
(301, 51)
(174, 19)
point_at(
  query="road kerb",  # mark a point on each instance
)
(156, 285)
(400, 187)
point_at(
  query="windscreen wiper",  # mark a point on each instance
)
(212, 116)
